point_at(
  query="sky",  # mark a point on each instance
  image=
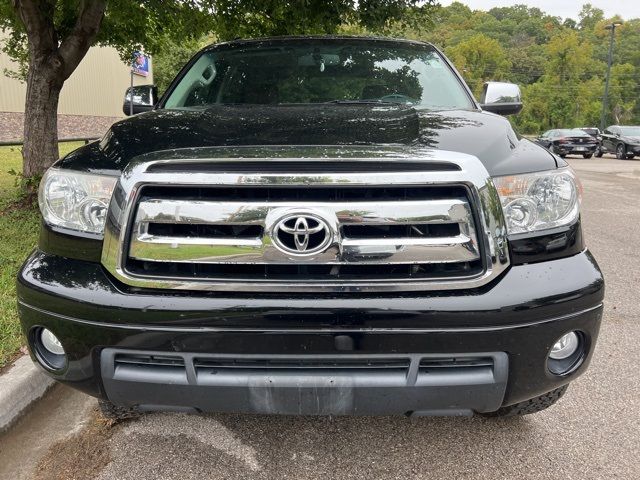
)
(561, 8)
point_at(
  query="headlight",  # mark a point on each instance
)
(539, 201)
(73, 200)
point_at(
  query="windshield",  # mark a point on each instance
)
(630, 131)
(338, 71)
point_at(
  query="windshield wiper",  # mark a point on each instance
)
(364, 102)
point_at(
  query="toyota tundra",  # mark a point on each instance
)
(314, 225)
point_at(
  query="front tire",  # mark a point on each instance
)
(599, 152)
(532, 405)
(621, 151)
(587, 155)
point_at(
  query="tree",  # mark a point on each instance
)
(527, 64)
(49, 38)
(567, 95)
(255, 18)
(589, 16)
(480, 58)
(567, 56)
(622, 93)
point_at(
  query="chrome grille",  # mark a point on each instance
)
(195, 224)
(413, 243)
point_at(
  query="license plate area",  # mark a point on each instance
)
(318, 395)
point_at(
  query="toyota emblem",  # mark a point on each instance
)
(301, 234)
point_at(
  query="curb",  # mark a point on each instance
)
(20, 387)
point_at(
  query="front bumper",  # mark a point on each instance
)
(633, 149)
(513, 322)
(579, 149)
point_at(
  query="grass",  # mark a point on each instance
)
(18, 236)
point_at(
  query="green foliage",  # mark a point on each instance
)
(623, 92)
(149, 25)
(27, 186)
(170, 57)
(567, 57)
(18, 234)
(566, 95)
(258, 18)
(589, 17)
(479, 59)
(127, 26)
(19, 225)
(560, 65)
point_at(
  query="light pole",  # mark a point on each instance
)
(131, 94)
(605, 100)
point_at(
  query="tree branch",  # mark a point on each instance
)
(75, 46)
(37, 18)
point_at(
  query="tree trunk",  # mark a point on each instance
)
(51, 61)
(40, 121)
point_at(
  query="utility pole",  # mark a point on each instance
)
(605, 100)
(131, 70)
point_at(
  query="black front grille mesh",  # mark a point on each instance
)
(205, 231)
(295, 271)
(212, 365)
(413, 230)
(176, 364)
(303, 193)
(304, 168)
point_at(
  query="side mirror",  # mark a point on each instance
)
(501, 98)
(144, 98)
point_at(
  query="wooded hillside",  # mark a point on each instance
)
(560, 65)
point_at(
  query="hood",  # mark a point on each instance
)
(486, 136)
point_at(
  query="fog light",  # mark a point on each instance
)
(565, 346)
(50, 342)
(48, 349)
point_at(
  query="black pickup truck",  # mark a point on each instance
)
(314, 225)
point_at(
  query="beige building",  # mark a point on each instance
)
(90, 101)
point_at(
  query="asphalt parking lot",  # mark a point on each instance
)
(593, 433)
